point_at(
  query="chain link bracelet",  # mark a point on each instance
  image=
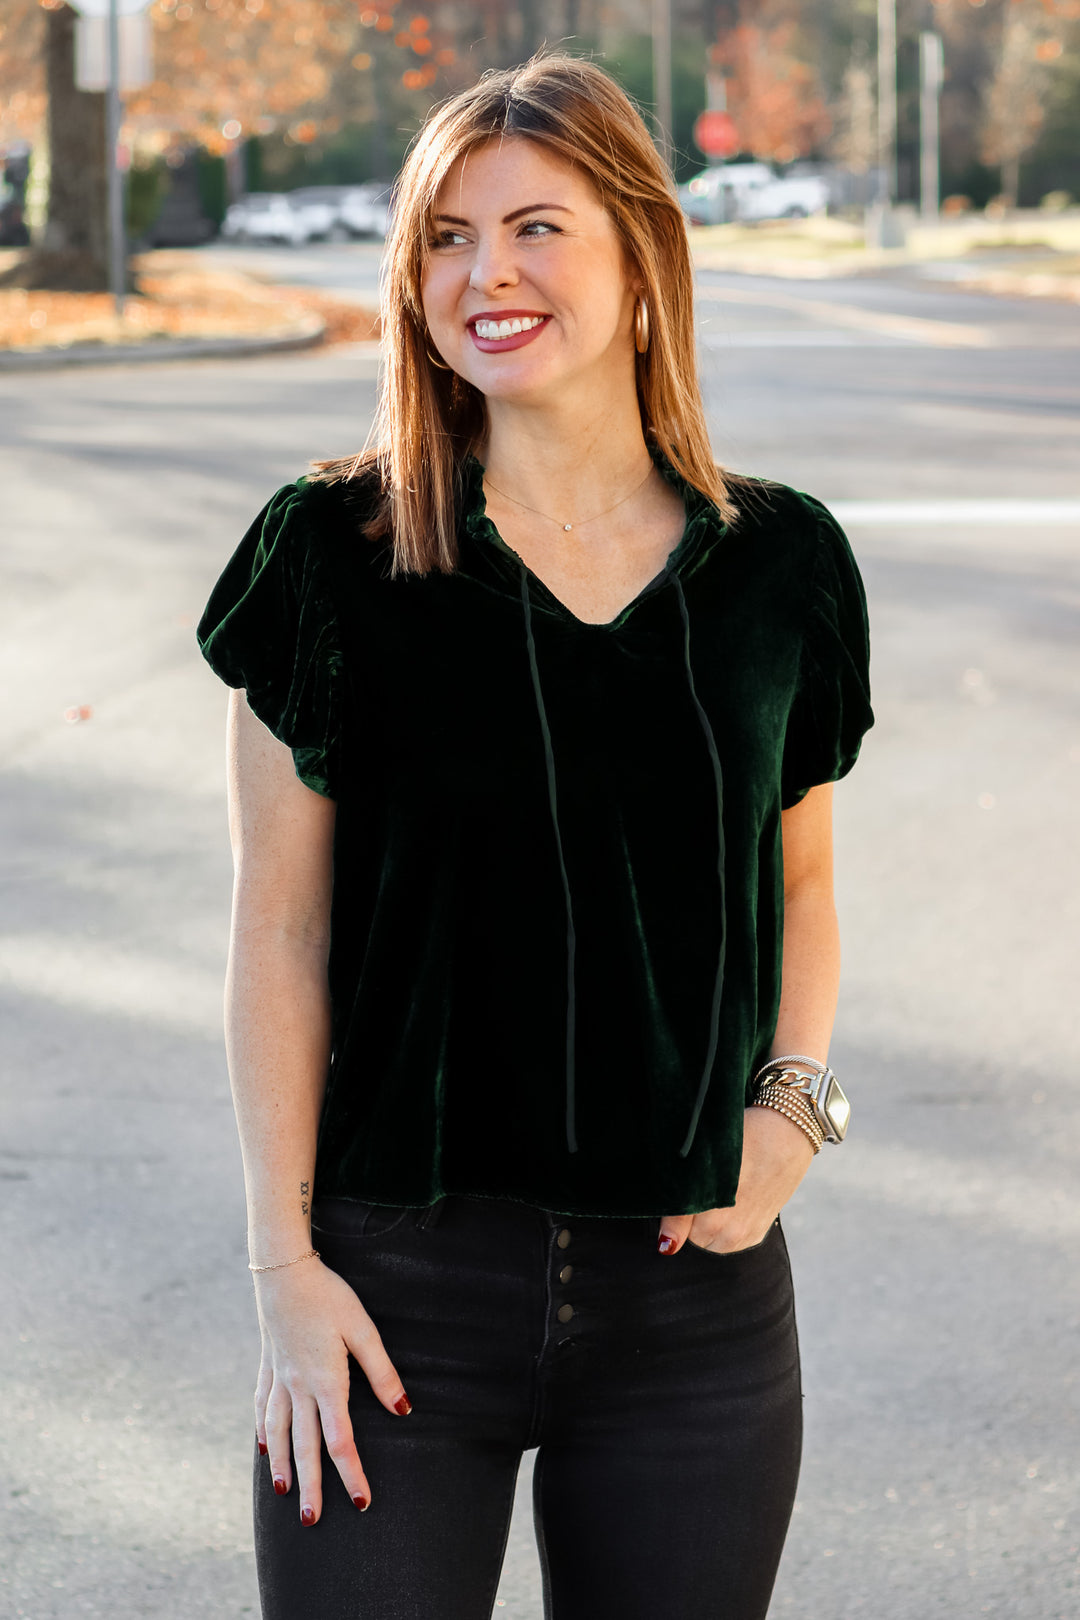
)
(777, 1064)
(279, 1265)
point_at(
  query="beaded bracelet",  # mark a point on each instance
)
(794, 1108)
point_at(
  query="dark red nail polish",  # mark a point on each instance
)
(666, 1244)
(403, 1405)
(262, 1447)
(280, 1487)
(307, 1515)
(361, 1501)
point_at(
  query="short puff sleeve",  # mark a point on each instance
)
(831, 710)
(270, 627)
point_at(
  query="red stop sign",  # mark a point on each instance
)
(715, 134)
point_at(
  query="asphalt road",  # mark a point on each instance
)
(935, 1253)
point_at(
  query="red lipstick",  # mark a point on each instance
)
(518, 341)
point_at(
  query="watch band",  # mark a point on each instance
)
(820, 1089)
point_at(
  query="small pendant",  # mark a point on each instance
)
(567, 527)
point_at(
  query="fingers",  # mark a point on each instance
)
(365, 1344)
(277, 1433)
(674, 1231)
(295, 1427)
(262, 1395)
(337, 1431)
(307, 1452)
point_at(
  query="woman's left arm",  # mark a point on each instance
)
(776, 1154)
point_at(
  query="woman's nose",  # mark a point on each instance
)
(493, 267)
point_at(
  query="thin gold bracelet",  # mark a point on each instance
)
(312, 1254)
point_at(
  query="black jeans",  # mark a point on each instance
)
(662, 1393)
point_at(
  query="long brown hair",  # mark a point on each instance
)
(429, 419)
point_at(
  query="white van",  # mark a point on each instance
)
(749, 191)
(713, 196)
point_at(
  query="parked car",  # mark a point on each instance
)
(712, 197)
(789, 198)
(277, 216)
(310, 214)
(750, 191)
(365, 210)
(264, 216)
(13, 231)
(321, 208)
(14, 171)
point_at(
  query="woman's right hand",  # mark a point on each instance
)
(311, 1321)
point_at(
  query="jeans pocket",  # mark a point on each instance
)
(735, 1254)
(349, 1219)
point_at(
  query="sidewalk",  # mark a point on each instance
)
(180, 310)
(1031, 253)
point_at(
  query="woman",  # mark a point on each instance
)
(531, 816)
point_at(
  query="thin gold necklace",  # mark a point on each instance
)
(566, 527)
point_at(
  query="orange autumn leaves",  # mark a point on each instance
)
(303, 66)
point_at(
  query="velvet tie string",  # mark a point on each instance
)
(553, 806)
(718, 778)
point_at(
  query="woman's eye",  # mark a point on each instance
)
(445, 239)
(538, 225)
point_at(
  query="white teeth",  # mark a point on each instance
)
(491, 331)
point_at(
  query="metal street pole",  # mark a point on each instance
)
(886, 119)
(661, 47)
(931, 78)
(117, 245)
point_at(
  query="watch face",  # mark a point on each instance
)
(836, 1108)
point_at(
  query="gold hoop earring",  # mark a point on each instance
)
(641, 326)
(440, 365)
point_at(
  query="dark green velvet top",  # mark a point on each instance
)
(558, 879)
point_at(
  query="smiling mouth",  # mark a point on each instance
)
(495, 331)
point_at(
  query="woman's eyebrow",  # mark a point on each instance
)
(533, 208)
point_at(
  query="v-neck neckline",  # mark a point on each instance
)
(691, 522)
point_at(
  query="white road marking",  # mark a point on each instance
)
(907, 328)
(796, 339)
(1005, 511)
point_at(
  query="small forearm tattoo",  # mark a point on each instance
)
(305, 1197)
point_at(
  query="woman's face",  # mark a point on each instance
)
(521, 237)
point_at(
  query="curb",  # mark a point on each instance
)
(1020, 284)
(305, 336)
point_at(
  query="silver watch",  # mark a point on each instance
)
(821, 1089)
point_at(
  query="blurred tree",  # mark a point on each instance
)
(773, 92)
(1030, 45)
(22, 70)
(147, 187)
(227, 70)
(982, 134)
(854, 142)
(73, 252)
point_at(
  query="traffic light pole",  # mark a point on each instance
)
(661, 47)
(931, 77)
(886, 104)
(117, 245)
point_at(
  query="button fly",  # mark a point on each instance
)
(563, 1238)
(566, 1273)
(565, 1312)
